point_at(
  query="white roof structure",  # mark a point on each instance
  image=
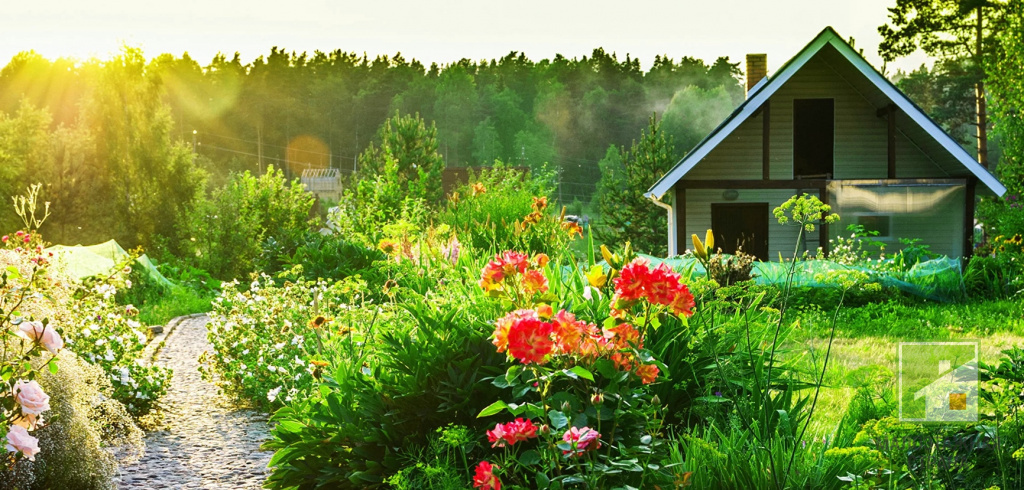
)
(912, 121)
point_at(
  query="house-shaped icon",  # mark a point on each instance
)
(953, 396)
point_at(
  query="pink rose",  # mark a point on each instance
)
(581, 439)
(44, 334)
(19, 440)
(31, 397)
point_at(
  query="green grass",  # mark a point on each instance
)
(866, 348)
(180, 301)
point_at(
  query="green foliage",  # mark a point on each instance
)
(413, 147)
(501, 209)
(626, 213)
(372, 203)
(413, 370)
(332, 257)
(1006, 216)
(227, 232)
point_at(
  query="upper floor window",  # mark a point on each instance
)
(813, 138)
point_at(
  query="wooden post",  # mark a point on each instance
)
(969, 198)
(823, 229)
(766, 139)
(680, 207)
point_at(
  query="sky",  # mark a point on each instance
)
(441, 31)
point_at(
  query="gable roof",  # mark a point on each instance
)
(768, 86)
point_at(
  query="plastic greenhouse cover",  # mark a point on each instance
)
(81, 261)
(939, 279)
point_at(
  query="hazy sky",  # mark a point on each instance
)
(440, 31)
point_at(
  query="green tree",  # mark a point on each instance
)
(413, 145)
(950, 30)
(1006, 216)
(150, 182)
(946, 94)
(24, 144)
(626, 214)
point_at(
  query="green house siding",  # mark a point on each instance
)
(861, 146)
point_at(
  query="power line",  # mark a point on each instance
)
(276, 146)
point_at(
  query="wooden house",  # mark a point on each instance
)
(828, 124)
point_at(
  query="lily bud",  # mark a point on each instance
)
(709, 242)
(698, 248)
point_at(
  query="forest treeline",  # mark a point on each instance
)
(328, 106)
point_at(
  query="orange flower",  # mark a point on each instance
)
(648, 373)
(532, 218)
(573, 229)
(478, 189)
(541, 260)
(317, 322)
(622, 336)
(545, 311)
(540, 203)
(534, 282)
(388, 246)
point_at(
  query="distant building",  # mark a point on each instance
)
(324, 182)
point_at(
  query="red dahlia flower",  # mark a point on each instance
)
(485, 479)
(529, 339)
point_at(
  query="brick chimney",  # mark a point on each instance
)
(757, 68)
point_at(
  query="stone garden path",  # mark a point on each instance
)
(206, 442)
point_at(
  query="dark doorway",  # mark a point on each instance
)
(813, 138)
(741, 225)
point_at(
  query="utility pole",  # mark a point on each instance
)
(194, 147)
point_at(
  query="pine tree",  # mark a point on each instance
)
(628, 215)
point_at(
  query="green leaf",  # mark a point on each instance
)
(558, 419)
(53, 368)
(529, 457)
(582, 372)
(542, 480)
(492, 409)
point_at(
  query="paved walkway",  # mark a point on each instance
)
(207, 442)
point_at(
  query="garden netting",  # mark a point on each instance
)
(81, 261)
(939, 279)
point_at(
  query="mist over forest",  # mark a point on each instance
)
(563, 112)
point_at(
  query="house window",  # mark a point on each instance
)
(882, 223)
(813, 138)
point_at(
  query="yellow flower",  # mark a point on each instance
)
(596, 276)
(698, 248)
(709, 242)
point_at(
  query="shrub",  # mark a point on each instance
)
(332, 257)
(228, 232)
